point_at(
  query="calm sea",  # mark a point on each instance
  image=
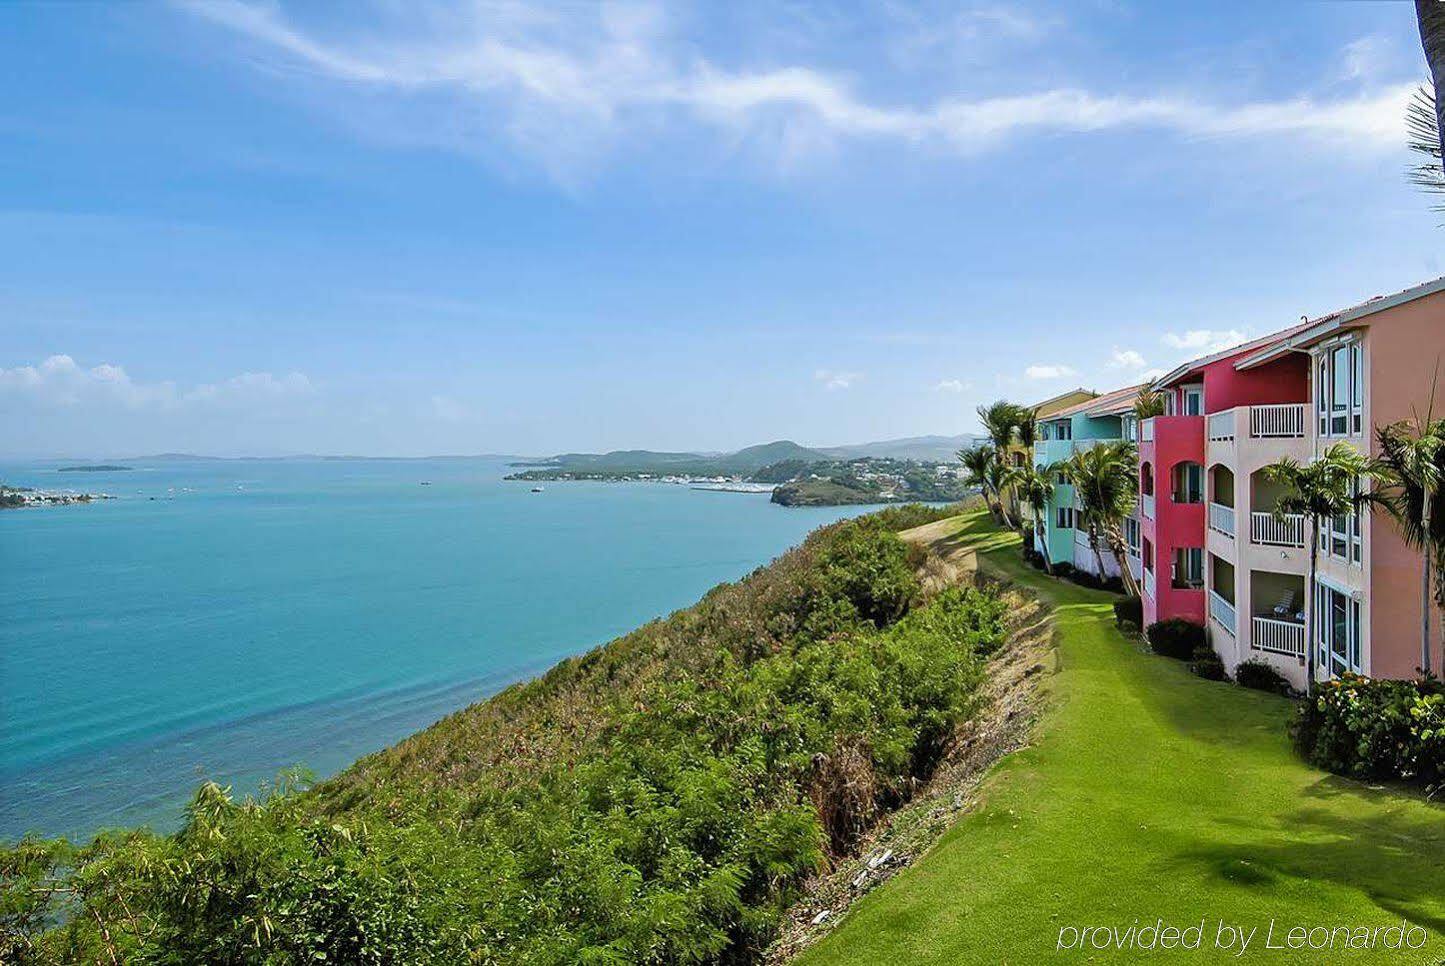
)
(227, 619)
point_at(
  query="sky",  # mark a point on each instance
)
(252, 227)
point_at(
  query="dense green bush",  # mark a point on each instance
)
(1129, 609)
(1260, 676)
(906, 516)
(1176, 637)
(1375, 728)
(1206, 664)
(660, 799)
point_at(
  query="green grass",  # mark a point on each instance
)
(1148, 794)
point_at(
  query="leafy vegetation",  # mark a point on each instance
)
(660, 799)
(1175, 637)
(1260, 676)
(1375, 728)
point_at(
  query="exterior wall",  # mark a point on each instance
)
(1017, 451)
(1177, 439)
(1065, 544)
(1225, 387)
(1403, 348)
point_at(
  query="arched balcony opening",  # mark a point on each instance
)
(1187, 483)
(1221, 500)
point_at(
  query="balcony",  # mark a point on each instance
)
(1222, 611)
(1149, 583)
(1268, 531)
(1221, 426)
(1221, 519)
(1146, 504)
(1277, 636)
(1146, 430)
(1048, 451)
(1285, 421)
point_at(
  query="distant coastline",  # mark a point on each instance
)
(94, 468)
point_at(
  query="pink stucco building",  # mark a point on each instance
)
(1211, 548)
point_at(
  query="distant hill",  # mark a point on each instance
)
(934, 448)
(752, 458)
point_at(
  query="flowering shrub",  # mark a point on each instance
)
(1375, 729)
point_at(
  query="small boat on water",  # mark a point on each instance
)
(536, 489)
(426, 482)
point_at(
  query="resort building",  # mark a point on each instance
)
(1106, 418)
(1367, 366)
(1019, 454)
(1210, 547)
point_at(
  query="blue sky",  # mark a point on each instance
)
(409, 228)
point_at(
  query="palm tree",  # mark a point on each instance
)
(1431, 16)
(1318, 491)
(1148, 403)
(1422, 122)
(1034, 488)
(1410, 484)
(1104, 481)
(981, 465)
(1001, 421)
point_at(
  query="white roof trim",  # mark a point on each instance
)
(1334, 323)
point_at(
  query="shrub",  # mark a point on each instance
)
(660, 799)
(1260, 676)
(1129, 609)
(1375, 729)
(1176, 637)
(1064, 569)
(1206, 664)
(1128, 627)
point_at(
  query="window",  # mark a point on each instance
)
(1147, 554)
(1131, 534)
(1340, 536)
(1340, 390)
(1129, 429)
(1337, 631)
(1064, 431)
(1194, 401)
(1189, 567)
(1188, 483)
(1065, 518)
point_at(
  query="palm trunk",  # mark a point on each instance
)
(1310, 616)
(1431, 17)
(1425, 588)
(1116, 545)
(1094, 545)
(1042, 535)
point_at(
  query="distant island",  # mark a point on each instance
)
(94, 468)
(799, 476)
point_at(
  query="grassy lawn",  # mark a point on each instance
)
(1151, 794)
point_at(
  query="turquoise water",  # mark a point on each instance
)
(228, 619)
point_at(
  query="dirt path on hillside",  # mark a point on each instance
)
(1013, 702)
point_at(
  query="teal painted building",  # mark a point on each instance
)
(1106, 418)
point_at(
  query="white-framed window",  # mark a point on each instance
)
(1063, 431)
(1337, 631)
(1131, 534)
(1188, 567)
(1340, 537)
(1340, 389)
(1064, 518)
(1194, 400)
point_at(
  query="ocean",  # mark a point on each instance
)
(226, 620)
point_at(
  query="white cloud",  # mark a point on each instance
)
(59, 381)
(1366, 58)
(563, 83)
(1125, 359)
(1205, 341)
(837, 379)
(951, 385)
(1048, 372)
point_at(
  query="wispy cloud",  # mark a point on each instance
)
(59, 381)
(950, 385)
(836, 378)
(1125, 359)
(565, 83)
(1041, 372)
(1204, 340)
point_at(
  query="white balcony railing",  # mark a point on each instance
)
(1221, 426)
(1146, 430)
(1222, 611)
(1149, 582)
(1287, 531)
(1277, 637)
(1221, 518)
(1285, 421)
(1146, 503)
